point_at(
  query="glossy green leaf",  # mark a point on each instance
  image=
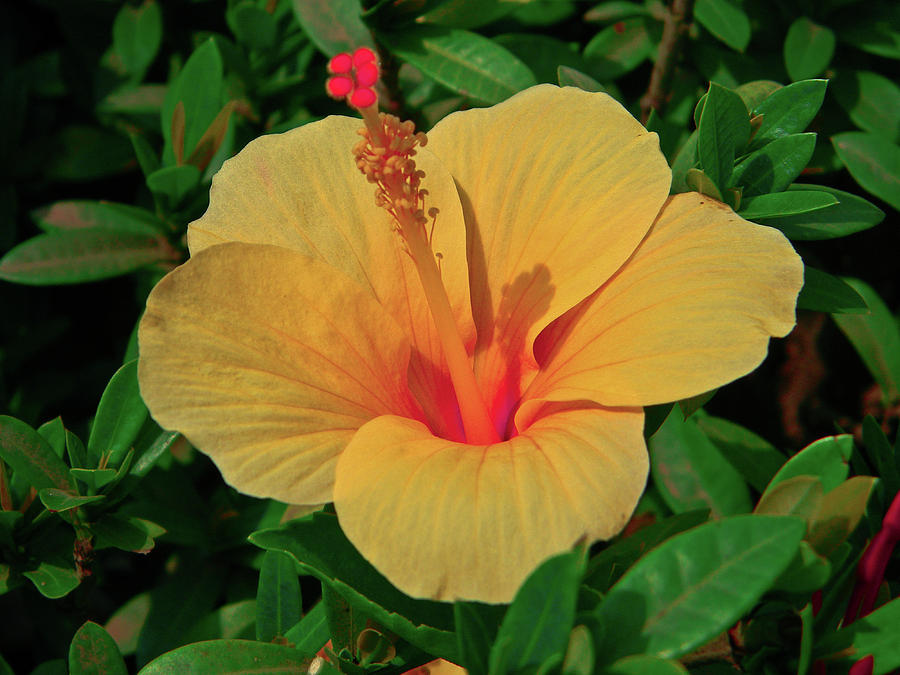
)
(684, 161)
(726, 20)
(63, 500)
(277, 596)
(774, 166)
(876, 338)
(825, 458)
(697, 584)
(808, 49)
(120, 416)
(874, 634)
(541, 53)
(755, 458)
(608, 566)
(95, 479)
(151, 454)
(698, 181)
(618, 49)
(145, 154)
(200, 89)
(94, 652)
(871, 100)
(642, 664)
(723, 132)
(83, 214)
(31, 457)
(81, 255)
(229, 657)
(823, 292)
(333, 25)
(851, 214)
(807, 572)
(781, 204)
(537, 624)
(127, 534)
(174, 183)
(321, 549)
(788, 110)
(311, 632)
(873, 161)
(840, 513)
(137, 35)
(53, 581)
(464, 62)
(691, 472)
(569, 77)
(252, 25)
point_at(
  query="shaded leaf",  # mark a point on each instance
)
(229, 657)
(774, 166)
(781, 204)
(63, 500)
(618, 49)
(94, 652)
(137, 35)
(311, 632)
(755, 458)
(871, 100)
(723, 131)
(726, 20)
(569, 77)
(31, 457)
(83, 214)
(277, 596)
(873, 162)
(823, 292)
(851, 214)
(808, 49)
(876, 338)
(333, 25)
(788, 110)
(840, 513)
(120, 416)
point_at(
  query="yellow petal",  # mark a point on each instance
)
(558, 187)
(450, 521)
(692, 310)
(269, 361)
(302, 190)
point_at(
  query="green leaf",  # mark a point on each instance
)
(200, 89)
(94, 652)
(698, 181)
(808, 49)
(723, 131)
(875, 33)
(277, 596)
(876, 338)
(311, 632)
(31, 457)
(781, 204)
(83, 214)
(807, 572)
(569, 77)
(229, 657)
(151, 454)
(851, 214)
(696, 585)
(85, 153)
(726, 20)
(464, 62)
(788, 110)
(252, 25)
(756, 91)
(127, 622)
(120, 416)
(608, 566)
(823, 292)
(798, 496)
(467, 14)
(542, 54)
(642, 664)
(473, 637)
(63, 500)
(874, 634)
(53, 581)
(691, 473)
(883, 456)
(871, 100)
(840, 513)
(54, 432)
(755, 458)
(333, 25)
(321, 549)
(873, 162)
(580, 657)
(137, 100)
(774, 166)
(618, 49)
(174, 183)
(232, 621)
(825, 458)
(614, 10)
(536, 626)
(137, 35)
(127, 534)
(81, 255)
(95, 479)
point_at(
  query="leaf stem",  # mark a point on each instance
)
(677, 23)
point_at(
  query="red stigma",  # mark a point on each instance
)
(619, 27)
(354, 77)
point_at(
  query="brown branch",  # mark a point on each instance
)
(677, 23)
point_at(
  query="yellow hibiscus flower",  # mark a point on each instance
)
(299, 348)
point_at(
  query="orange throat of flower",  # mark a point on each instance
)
(385, 156)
